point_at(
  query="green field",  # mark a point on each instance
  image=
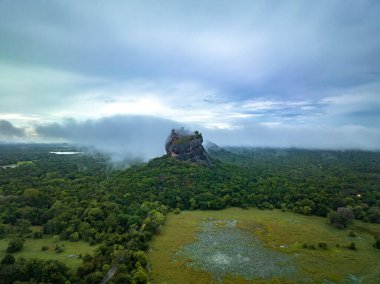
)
(32, 249)
(281, 232)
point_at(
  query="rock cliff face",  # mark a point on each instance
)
(186, 146)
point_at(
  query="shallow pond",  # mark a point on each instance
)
(223, 249)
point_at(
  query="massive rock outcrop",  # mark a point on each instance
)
(186, 146)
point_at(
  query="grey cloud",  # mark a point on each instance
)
(8, 130)
(248, 48)
(121, 136)
(307, 137)
(36, 90)
(60, 59)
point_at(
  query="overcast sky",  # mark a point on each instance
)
(123, 73)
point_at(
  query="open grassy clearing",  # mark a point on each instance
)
(278, 231)
(32, 249)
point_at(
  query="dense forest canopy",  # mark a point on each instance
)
(82, 197)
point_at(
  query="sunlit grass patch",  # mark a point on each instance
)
(71, 254)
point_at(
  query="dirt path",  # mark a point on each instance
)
(109, 274)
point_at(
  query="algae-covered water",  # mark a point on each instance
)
(223, 249)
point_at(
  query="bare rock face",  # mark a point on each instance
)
(186, 146)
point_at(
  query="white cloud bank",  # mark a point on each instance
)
(144, 136)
